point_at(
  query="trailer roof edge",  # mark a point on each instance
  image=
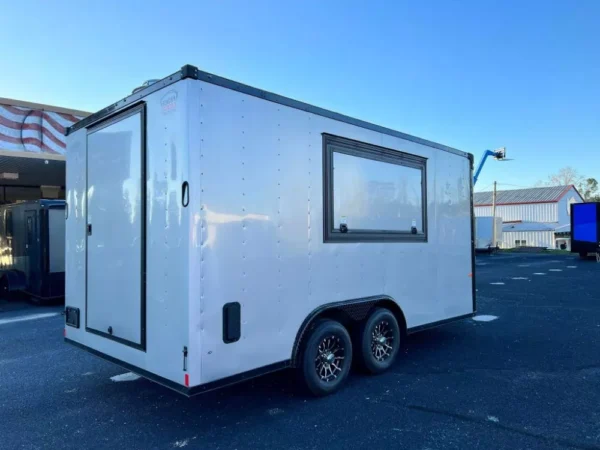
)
(186, 71)
(189, 71)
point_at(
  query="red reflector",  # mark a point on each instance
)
(186, 378)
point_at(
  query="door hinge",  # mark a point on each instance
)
(185, 354)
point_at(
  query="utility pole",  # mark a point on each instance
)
(494, 216)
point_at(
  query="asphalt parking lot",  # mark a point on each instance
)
(528, 377)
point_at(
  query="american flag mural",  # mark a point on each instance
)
(33, 130)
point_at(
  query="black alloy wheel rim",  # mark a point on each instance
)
(382, 341)
(329, 363)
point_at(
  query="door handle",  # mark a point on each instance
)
(89, 229)
(185, 194)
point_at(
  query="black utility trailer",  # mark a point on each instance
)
(32, 249)
(585, 228)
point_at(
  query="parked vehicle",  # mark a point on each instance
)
(485, 241)
(32, 243)
(585, 229)
(218, 232)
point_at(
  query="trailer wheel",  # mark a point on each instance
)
(327, 358)
(379, 341)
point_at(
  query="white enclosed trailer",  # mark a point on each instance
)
(216, 232)
(485, 240)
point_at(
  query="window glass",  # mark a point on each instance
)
(373, 193)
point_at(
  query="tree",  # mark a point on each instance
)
(589, 190)
(565, 176)
(587, 187)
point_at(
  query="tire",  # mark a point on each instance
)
(326, 358)
(379, 341)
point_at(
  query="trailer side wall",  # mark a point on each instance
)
(235, 204)
(262, 228)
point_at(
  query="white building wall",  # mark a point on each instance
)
(532, 212)
(563, 205)
(562, 240)
(531, 238)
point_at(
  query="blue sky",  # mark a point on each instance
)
(469, 74)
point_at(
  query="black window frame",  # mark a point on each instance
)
(373, 152)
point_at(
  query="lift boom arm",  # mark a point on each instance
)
(498, 154)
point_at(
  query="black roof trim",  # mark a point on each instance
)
(186, 71)
(189, 71)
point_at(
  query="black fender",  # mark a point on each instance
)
(354, 310)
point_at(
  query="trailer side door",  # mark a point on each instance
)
(116, 186)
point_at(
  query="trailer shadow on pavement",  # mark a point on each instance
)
(526, 377)
(19, 302)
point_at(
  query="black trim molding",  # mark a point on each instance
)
(473, 266)
(333, 232)
(192, 72)
(186, 71)
(188, 391)
(358, 309)
(438, 323)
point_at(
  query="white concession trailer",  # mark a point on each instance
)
(217, 232)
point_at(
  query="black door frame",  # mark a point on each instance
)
(140, 109)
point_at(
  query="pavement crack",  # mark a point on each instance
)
(494, 424)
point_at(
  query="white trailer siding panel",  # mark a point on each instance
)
(169, 243)
(253, 233)
(532, 238)
(532, 212)
(262, 194)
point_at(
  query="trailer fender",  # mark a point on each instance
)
(349, 313)
(13, 280)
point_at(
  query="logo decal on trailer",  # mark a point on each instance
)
(168, 102)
